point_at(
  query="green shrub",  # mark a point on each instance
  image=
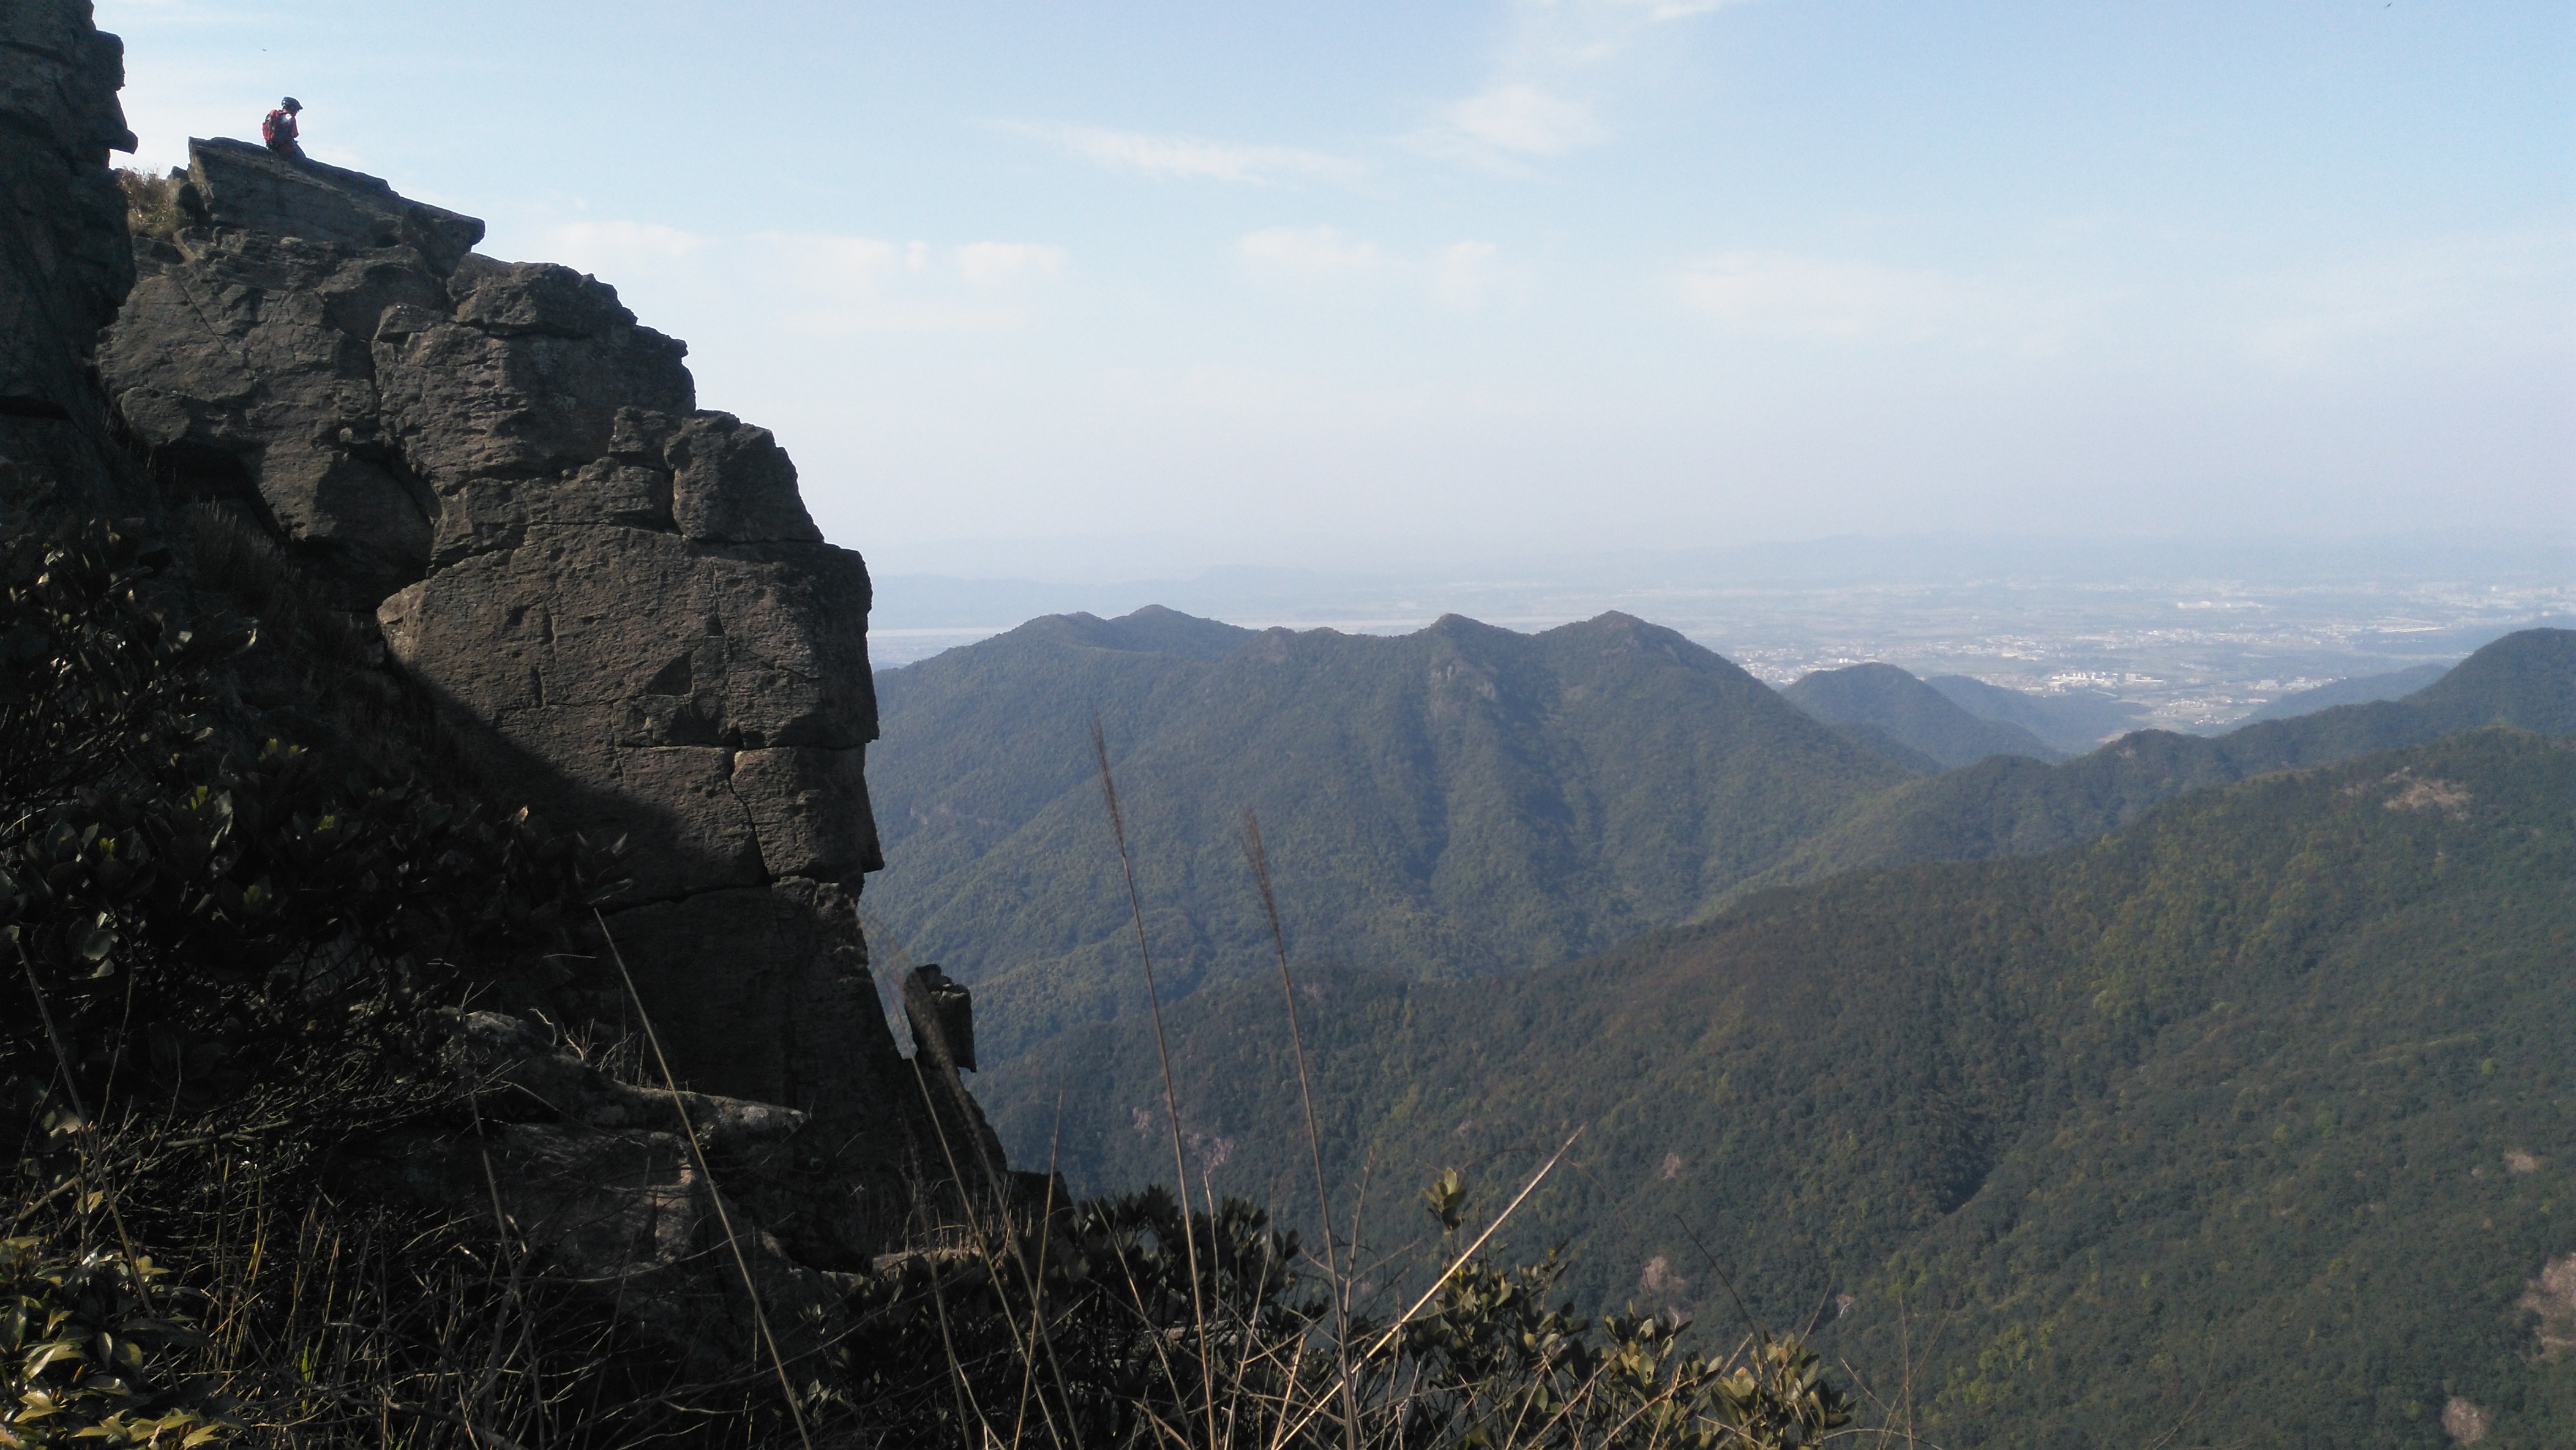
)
(226, 931)
(222, 953)
(91, 1354)
(1098, 1333)
(151, 202)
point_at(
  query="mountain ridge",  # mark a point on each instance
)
(1460, 800)
(2074, 723)
(2010, 806)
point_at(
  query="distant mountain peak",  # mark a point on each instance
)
(1879, 704)
(2521, 679)
(1460, 625)
(1153, 629)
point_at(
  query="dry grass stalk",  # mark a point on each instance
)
(724, 1219)
(1257, 855)
(1162, 1047)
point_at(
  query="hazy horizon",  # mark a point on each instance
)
(2197, 634)
(1142, 557)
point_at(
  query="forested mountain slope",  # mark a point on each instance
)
(1459, 801)
(1877, 701)
(976, 741)
(2257, 1111)
(2010, 806)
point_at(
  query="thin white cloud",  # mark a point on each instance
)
(1788, 295)
(835, 267)
(2459, 296)
(1463, 276)
(987, 264)
(624, 253)
(1541, 98)
(1551, 33)
(819, 282)
(1311, 251)
(841, 284)
(1522, 120)
(1782, 294)
(1467, 275)
(620, 239)
(1662, 10)
(2443, 303)
(1190, 157)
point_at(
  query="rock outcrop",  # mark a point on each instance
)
(64, 260)
(243, 361)
(497, 485)
(600, 1179)
(492, 526)
(618, 596)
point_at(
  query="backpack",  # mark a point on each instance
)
(277, 120)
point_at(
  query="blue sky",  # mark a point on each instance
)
(1177, 285)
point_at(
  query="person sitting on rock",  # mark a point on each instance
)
(279, 129)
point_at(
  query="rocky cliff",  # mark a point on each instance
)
(493, 488)
(64, 264)
(619, 596)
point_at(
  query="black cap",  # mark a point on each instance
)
(290, 104)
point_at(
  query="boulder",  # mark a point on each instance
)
(515, 1073)
(628, 1218)
(246, 186)
(600, 1183)
(243, 360)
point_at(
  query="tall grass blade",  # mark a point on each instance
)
(1258, 856)
(715, 1196)
(1162, 1047)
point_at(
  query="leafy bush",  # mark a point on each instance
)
(224, 951)
(1122, 1324)
(88, 1357)
(226, 933)
(151, 202)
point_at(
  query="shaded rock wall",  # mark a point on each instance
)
(64, 260)
(601, 1179)
(618, 595)
(243, 363)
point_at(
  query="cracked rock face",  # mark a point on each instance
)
(600, 1177)
(64, 259)
(621, 594)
